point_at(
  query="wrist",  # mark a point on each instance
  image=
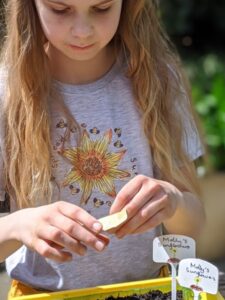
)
(13, 226)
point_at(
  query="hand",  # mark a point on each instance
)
(57, 230)
(148, 203)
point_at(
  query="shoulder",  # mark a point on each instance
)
(183, 111)
(180, 100)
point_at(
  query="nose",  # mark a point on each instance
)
(82, 27)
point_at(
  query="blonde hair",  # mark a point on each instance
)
(159, 85)
(28, 88)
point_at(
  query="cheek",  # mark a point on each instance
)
(108, 27)
(52, 29)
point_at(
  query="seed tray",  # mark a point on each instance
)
(118, 290)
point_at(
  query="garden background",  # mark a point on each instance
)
(197, 29)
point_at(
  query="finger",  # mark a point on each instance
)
(61, 238)
(56, 246)
(145, 213)
(78, 232)
(46, 250)
(125, 195)
(147, 194)
(104, 238)
(138, 184)
(139, 208)
(154, 221)
(79, 215)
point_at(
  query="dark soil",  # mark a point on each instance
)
(151, 295)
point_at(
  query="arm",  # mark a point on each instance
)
(8, 242)
(189, 217)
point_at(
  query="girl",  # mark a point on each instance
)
(95, 117)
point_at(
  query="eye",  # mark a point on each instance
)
(60, 11)
(102, 9)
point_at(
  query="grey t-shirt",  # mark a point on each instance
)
(112, 150)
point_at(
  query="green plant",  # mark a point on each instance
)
(207, 75)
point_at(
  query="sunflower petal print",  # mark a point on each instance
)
(93, 166)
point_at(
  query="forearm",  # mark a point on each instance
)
(8, 241)
(189, 217)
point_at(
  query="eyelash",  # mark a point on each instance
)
(60, 11)
(102, 10)
(96, 9)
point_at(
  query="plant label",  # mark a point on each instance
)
(172, 248)
(113, 220)
(198, 275)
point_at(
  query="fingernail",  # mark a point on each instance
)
(99, 245)
(97, 227)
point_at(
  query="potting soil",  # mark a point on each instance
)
(151, 295)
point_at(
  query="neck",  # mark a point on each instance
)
(71, 71)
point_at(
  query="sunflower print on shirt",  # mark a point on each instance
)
(94, 167)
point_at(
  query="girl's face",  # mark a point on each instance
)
(79, 29)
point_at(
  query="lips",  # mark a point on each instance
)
(82, 47)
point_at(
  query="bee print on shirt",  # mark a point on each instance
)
(118, 143)
(61, 124)
(94, 130)
(98, 202)
(74, 190)
(118, 131)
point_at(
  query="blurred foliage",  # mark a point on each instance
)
(197, 28)
(207, 75)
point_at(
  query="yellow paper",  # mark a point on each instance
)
(114, 220)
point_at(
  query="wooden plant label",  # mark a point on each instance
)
(198, 275)
(113, 220)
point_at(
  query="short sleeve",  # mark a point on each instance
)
(191, 140)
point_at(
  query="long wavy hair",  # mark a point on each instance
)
(156, 76)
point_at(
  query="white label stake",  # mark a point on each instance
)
(174, 281)
(198, 275)
(171, 249)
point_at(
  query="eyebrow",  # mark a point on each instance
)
(104, 2)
